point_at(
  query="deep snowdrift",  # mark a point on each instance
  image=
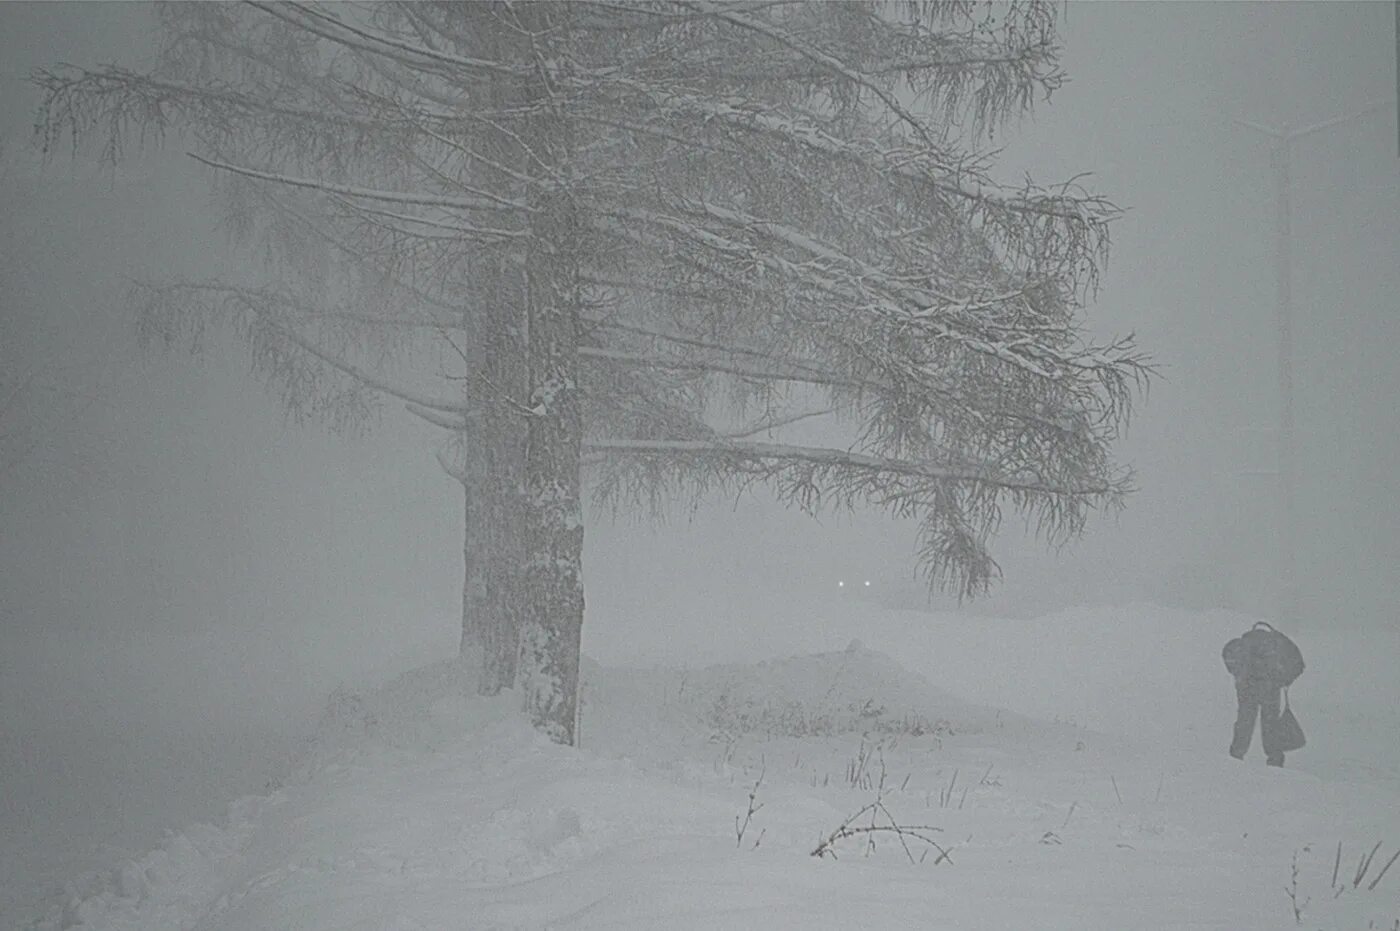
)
(421, 806)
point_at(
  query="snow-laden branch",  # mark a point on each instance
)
(392, 197)
(830, 62)
(960, 177)
(370, 41)
(795, 373)
(437, 417)
(853, 288)
(845, 459)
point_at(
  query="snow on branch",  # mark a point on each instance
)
(827, 61)
(419, 57)
(851, 461)
(799, 373)
(438, 417)
(862, 287)
(959, 176)
(393, 197)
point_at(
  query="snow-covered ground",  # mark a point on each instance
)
(1067, 772)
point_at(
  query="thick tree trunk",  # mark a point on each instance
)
(494, 481)
(503, 514)
(553, 620)
(493, 596)
(553, 579)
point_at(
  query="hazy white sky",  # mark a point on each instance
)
(179, 499)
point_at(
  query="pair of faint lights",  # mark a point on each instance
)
(842, 584)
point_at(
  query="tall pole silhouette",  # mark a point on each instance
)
(1282, 156)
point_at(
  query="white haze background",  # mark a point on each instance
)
(184, 577)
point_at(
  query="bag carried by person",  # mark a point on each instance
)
(1290, 732)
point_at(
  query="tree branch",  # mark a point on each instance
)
(338, 31)
(393, 197)
(840, 458)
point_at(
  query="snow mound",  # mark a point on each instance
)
(428, 708)
(853, 691)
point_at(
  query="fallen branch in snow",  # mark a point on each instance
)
(890, 825)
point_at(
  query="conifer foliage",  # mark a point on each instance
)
(659, 241)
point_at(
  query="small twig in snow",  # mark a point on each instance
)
(1364, 865)
(754, 807)
(1292, 890)
(1388, 863)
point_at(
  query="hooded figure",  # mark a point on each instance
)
(1263, 662)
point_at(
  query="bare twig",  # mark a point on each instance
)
(1387, 866)
(1364, 865)
(754, 807)
(1292, 890)
(946, 796)
(877, 810)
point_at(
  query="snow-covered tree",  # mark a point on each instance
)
(652, 239)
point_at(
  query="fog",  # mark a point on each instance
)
(185, 575)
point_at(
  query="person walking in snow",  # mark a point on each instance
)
(1263, 662)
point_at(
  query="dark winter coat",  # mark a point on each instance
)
(1263, 656)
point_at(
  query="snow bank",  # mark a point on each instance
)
(699, 795)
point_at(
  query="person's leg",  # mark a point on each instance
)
(1244, 719)
(1268, 724)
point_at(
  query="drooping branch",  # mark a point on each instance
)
(391, 197)
(261, 302)
(827, 61)
(798, 373)
(438, 417)
(414, 57)
(985, 474)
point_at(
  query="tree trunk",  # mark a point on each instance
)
(553, 577)
(553, 619)
(474, 599)
(493, 478)
(498, 357)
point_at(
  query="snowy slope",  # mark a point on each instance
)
(423, 807)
